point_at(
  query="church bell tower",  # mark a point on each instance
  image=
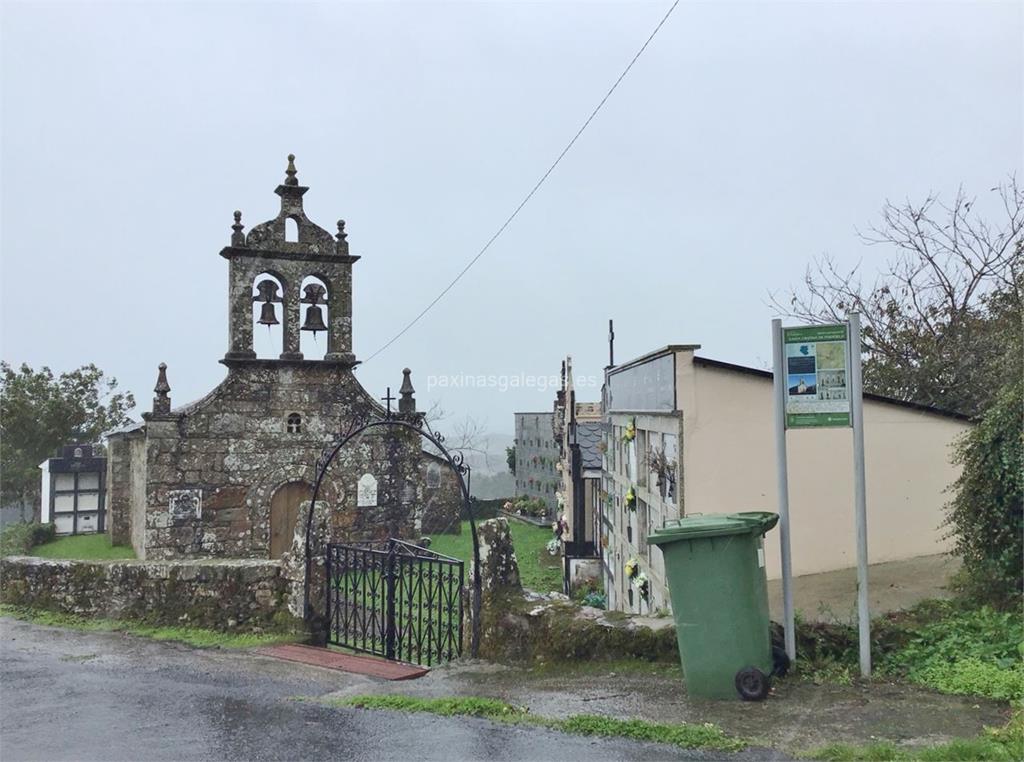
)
(298, 275)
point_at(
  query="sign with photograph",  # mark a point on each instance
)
(817, 364)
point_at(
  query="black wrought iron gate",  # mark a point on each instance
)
(396, 600)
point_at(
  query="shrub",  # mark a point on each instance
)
(526, 506)
(945, 645)
(987, 514)
(590, 593)
(973, 677)
(483, 508)
(43, 533)
(963, 651)
(20, 537)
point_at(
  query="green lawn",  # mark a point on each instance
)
(538, 569)
(83, 547)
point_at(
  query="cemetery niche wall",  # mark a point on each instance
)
(72, 491)
(228, 474)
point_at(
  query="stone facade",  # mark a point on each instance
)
(225, 476)
(536, 457)
(442, 497)
(220, 595)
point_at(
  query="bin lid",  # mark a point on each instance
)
(714, 525)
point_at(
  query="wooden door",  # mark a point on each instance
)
(284, 512)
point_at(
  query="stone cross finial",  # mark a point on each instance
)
(237, 237)
(291, 172)
(162, 401)
(407, 403)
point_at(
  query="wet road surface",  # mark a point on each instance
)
(70, 695)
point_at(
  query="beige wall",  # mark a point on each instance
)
(729, 465)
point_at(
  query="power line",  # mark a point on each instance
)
(533, 190)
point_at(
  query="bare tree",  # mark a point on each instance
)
(938, 318)
(467, 435)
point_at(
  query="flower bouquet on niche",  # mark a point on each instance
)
(632, 568)
(630, 500)
(642, 584)
(630, 433)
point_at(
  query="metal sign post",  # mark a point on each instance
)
(817, 383)
(782, 472)
(860, 498)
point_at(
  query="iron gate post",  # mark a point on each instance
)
(328, 585)
(389, 605)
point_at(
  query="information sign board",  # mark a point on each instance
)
(817, 365)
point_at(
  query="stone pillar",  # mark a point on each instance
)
(294, 569)
(339, 334)
(239, 311)
(499, 582)
(290, 322)
(118, 505)
(499, 568)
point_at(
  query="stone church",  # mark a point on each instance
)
(226, 475)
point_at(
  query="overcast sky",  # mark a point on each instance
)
(747, 140)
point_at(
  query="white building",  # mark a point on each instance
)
(689, 435)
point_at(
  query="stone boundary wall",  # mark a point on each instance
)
(521, 630)
(242, 594)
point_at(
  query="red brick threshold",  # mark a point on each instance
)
(360, 665)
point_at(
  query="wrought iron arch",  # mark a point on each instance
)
(416, 423)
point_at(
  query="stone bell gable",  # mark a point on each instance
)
(228, 475)
(314, 254)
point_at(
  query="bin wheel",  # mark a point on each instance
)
(752, 684)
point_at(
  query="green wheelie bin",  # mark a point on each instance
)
(714, 565)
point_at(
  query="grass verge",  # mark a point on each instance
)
(687, 736)
(192, 636)
(83, 547)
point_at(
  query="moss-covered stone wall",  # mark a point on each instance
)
(516, 630)
(243, 594)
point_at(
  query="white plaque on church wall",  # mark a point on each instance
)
(367, 492)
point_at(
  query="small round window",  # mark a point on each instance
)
(294, 423)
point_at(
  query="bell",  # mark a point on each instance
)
(314, 320)
(267, 314)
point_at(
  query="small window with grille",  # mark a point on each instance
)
(294, 423)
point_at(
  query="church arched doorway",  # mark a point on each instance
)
(284, 513)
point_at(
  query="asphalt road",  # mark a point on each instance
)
(68, 695)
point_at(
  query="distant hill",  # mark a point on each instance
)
(490, 475)
(492, 459)
(490, 486)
